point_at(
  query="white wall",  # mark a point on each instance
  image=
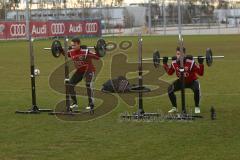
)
(139, 14)
(223, 14)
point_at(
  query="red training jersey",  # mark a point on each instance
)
(191, 69)
(80, 64)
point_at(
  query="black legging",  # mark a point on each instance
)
(76, 78)
(176, 86)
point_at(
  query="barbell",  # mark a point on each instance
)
(100, 48)
(209, 58)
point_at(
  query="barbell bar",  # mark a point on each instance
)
(68, 48)
(209, 58)
(170, 58)
(100, 48)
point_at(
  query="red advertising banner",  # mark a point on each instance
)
(39, 29)
(2, 30)
(15, 30)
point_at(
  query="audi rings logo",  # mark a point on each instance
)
(2, 27)
(91, 27)
(18, 30)
(58, 28)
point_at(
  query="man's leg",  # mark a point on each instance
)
(76, 77)
(89, 85)
(195, 86)
(175, 86)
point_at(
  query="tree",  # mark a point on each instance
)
(65, 3)
(2, 9)
(223, 4)
(118, 2)
(12, 4)
(6, 6)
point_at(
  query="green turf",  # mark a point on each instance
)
(43, 137)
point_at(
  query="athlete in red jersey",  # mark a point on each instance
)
(82, 59)
(191, 70)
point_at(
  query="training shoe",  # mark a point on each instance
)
(174, 109)
(197, 110)
(88, 108)
(74, 107)
(91, 109)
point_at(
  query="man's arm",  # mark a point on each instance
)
(69, 53)
(199, 69)
(93, 55)
(170, 70)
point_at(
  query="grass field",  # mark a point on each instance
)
(44, 137)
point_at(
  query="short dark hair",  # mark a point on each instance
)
(178, 49)
(76, 39)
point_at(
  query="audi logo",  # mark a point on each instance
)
(58, 28)
(91, 27)
(2, 27)
(17, 30)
